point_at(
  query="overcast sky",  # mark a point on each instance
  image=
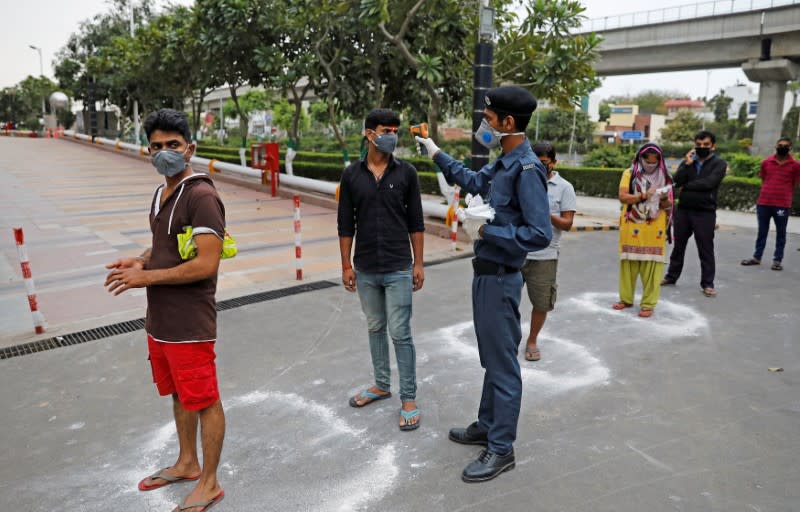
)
(49, 23)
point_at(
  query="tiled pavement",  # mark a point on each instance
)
(81, 208)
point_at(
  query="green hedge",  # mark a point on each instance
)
(593, 181)
(735, 193)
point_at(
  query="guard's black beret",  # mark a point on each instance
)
(510, 100)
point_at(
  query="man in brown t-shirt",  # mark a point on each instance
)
(181, 320)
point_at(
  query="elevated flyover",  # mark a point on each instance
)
(763, 37)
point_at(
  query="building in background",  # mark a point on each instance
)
(696, 107)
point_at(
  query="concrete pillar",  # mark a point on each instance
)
(772, 76)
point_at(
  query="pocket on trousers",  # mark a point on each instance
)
(197, 385)
(553, 295)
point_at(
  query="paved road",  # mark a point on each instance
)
(675, 413)
(82, 207)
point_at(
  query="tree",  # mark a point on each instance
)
(682, 128)
(790, 128)
(438, 40)
(719, 105)
(283, 116)
(543, 54)
(71, 69)
(254, 100)
(650, 101)
(22, 104)
(229, 31)
(556, 126)
(604, 112)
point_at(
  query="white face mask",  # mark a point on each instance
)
(648, 168)
(489, 137)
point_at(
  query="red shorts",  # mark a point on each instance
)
(185, 369)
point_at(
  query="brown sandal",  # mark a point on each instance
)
(646, 312)
(621, 305)
(751, 261)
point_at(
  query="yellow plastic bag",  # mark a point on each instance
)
(188, 249)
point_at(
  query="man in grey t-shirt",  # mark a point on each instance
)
(539, 271)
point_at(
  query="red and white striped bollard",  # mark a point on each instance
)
(298, 243)
(38, 317)
(454, 224)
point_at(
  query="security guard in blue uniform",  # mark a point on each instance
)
(516, 187)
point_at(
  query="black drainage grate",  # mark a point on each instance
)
(134, 325)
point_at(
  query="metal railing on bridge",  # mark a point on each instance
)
(681, 12)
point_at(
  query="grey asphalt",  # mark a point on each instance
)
(675, 413)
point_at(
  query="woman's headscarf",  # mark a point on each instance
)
(645, 176)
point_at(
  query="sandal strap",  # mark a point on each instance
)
(160, 475)
(201, 504)
(409, 414)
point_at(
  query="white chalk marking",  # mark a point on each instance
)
(648, 458)
(98, 253)
(77, 426)
(585, 369)
(669, 321)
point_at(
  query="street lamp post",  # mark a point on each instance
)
(484, 56)
(136, 130)
(41, 73)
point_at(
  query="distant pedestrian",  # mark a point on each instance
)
(181, 322)
(540, 268)
(381, 207)
(780, 173)
(646, 198)
(698, 178)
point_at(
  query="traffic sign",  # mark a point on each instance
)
(632, 135)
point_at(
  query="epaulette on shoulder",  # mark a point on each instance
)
(528, 164)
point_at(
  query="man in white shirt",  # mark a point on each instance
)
(539, 271)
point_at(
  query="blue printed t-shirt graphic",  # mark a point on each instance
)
(516, 187)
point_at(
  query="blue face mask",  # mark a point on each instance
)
(489, 137)
(386, 143)
(169, 162)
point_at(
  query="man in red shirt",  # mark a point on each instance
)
(779, 175)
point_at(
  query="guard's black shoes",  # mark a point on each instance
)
(487, 466)
(470, 435)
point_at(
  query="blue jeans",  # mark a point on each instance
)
(386, 302)
(781, 217)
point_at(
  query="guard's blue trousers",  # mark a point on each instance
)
(495, 313)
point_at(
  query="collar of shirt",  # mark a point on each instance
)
(554, 178)
(509, 158)
(774, 158)
(390, 165)
(699, 165)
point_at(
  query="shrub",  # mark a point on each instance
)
(593, 181)
(738, 193)
(610, 156)
(743, 166)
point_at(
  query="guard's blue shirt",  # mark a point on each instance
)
(516, 187)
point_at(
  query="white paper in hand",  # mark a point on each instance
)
(475, 215)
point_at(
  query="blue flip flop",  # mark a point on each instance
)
(373, 397)
(407, 415)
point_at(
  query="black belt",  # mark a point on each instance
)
(485, 267)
